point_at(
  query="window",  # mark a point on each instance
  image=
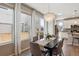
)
(6, 17)
(42, 24)
(25, 23)
(25, 26)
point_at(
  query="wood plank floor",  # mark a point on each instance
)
(68, 50)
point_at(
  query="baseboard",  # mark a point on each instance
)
(25, 49)
(21, 51)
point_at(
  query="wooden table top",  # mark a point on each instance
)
(44, 42)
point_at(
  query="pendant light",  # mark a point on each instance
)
(49, 15)
(75, 15)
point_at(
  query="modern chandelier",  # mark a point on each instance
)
(49, 15)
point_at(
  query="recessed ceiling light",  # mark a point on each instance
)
(60, 14)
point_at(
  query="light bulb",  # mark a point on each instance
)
(49, 16)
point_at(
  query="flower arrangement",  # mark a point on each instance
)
(48, 36)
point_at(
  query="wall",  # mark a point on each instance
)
(67, 24)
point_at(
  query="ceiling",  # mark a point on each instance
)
(62, 10)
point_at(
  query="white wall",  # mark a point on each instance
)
(67, 24)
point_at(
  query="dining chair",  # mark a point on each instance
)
(73, 31)
(35, 38)
(35, 49)
(75, 37)
(58, 49)
(41, 36)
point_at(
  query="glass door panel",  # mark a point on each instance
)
(41, 28)
(25, 31)
(6, 41)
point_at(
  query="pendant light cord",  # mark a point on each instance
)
(48, 7)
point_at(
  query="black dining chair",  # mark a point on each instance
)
(73, 31)
(75, 37)
(58, 49)
(50, 46)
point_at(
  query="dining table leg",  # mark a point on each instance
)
(50, 52)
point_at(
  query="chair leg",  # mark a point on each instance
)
(61, 53)
(73, 41)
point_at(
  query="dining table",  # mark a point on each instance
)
(47, 44)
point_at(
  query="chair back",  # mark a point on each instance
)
(35, 38)
(41, 36)
(35, 49)
(60, 45)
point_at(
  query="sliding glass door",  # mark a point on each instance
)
(25, 31)
(41, 27)
(18, 25)
(6, 23)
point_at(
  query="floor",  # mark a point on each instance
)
(71, 50)
(26, 53)
(68, 48)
